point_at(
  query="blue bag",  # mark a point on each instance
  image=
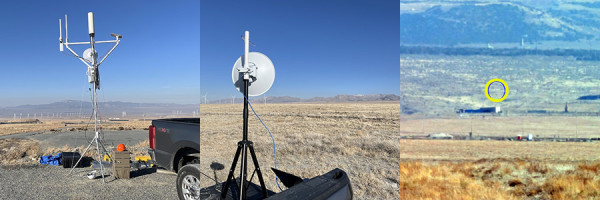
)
(51, 160)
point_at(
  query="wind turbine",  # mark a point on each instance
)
(205, 97)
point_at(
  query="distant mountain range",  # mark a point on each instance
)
(338, 98)
(532, 22)
(74, 108)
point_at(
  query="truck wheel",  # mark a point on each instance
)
(186, 161)
(188, 182)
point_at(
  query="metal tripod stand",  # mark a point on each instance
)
(243, 147)
(96, 139)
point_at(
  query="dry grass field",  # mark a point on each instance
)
(72, 124)
(360, 138)
(463, 169)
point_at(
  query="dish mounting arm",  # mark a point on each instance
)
(66, 44)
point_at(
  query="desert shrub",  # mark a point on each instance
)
(537, 167)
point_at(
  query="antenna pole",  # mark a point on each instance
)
(94, 79)
(245, 144)
(246, 81)
(243, 174)
(246, 49)
(60, 39)
(66, 30)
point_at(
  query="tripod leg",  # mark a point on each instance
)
(86, 149)
(105, 151)
(243, 170)
(230, 176)
(258, 172)
(100, 159)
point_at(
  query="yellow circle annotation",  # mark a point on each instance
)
(487, 92)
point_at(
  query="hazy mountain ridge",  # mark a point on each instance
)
(109, 108)
(454, 23)
(116, 108)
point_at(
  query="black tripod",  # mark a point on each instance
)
(243, 147)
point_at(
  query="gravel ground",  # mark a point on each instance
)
(54, 182)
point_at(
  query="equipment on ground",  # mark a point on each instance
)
(89, 58)
(121, 147)
(51, 160)
(121, 164)
(69, 159)
(92, 174)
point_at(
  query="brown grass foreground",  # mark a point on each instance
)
(360, 138)
(499, 179)
(450, 169)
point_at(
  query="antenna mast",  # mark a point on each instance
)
(261, 73)
(90, 60)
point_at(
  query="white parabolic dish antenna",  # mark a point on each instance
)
(262, 74)
(89, 56)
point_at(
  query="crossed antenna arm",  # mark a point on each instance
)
(116, 41)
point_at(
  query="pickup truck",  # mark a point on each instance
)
(175, 145)
(175, 142)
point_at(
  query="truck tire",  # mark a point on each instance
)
(185, 160)
(182, 158)
(188, 182)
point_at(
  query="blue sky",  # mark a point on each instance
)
(319, 48)
(157, 60)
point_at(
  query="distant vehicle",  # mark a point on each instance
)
(175, 145)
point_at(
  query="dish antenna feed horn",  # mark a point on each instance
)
(90, 59)
(253, 77)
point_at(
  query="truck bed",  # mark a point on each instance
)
(173, 137)
(181, 120)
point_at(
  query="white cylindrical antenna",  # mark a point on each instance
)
(66, 30)
(60, 34)
(246, 47)
(91, 23)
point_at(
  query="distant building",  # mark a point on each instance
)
(490, 109)
(481, 110)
